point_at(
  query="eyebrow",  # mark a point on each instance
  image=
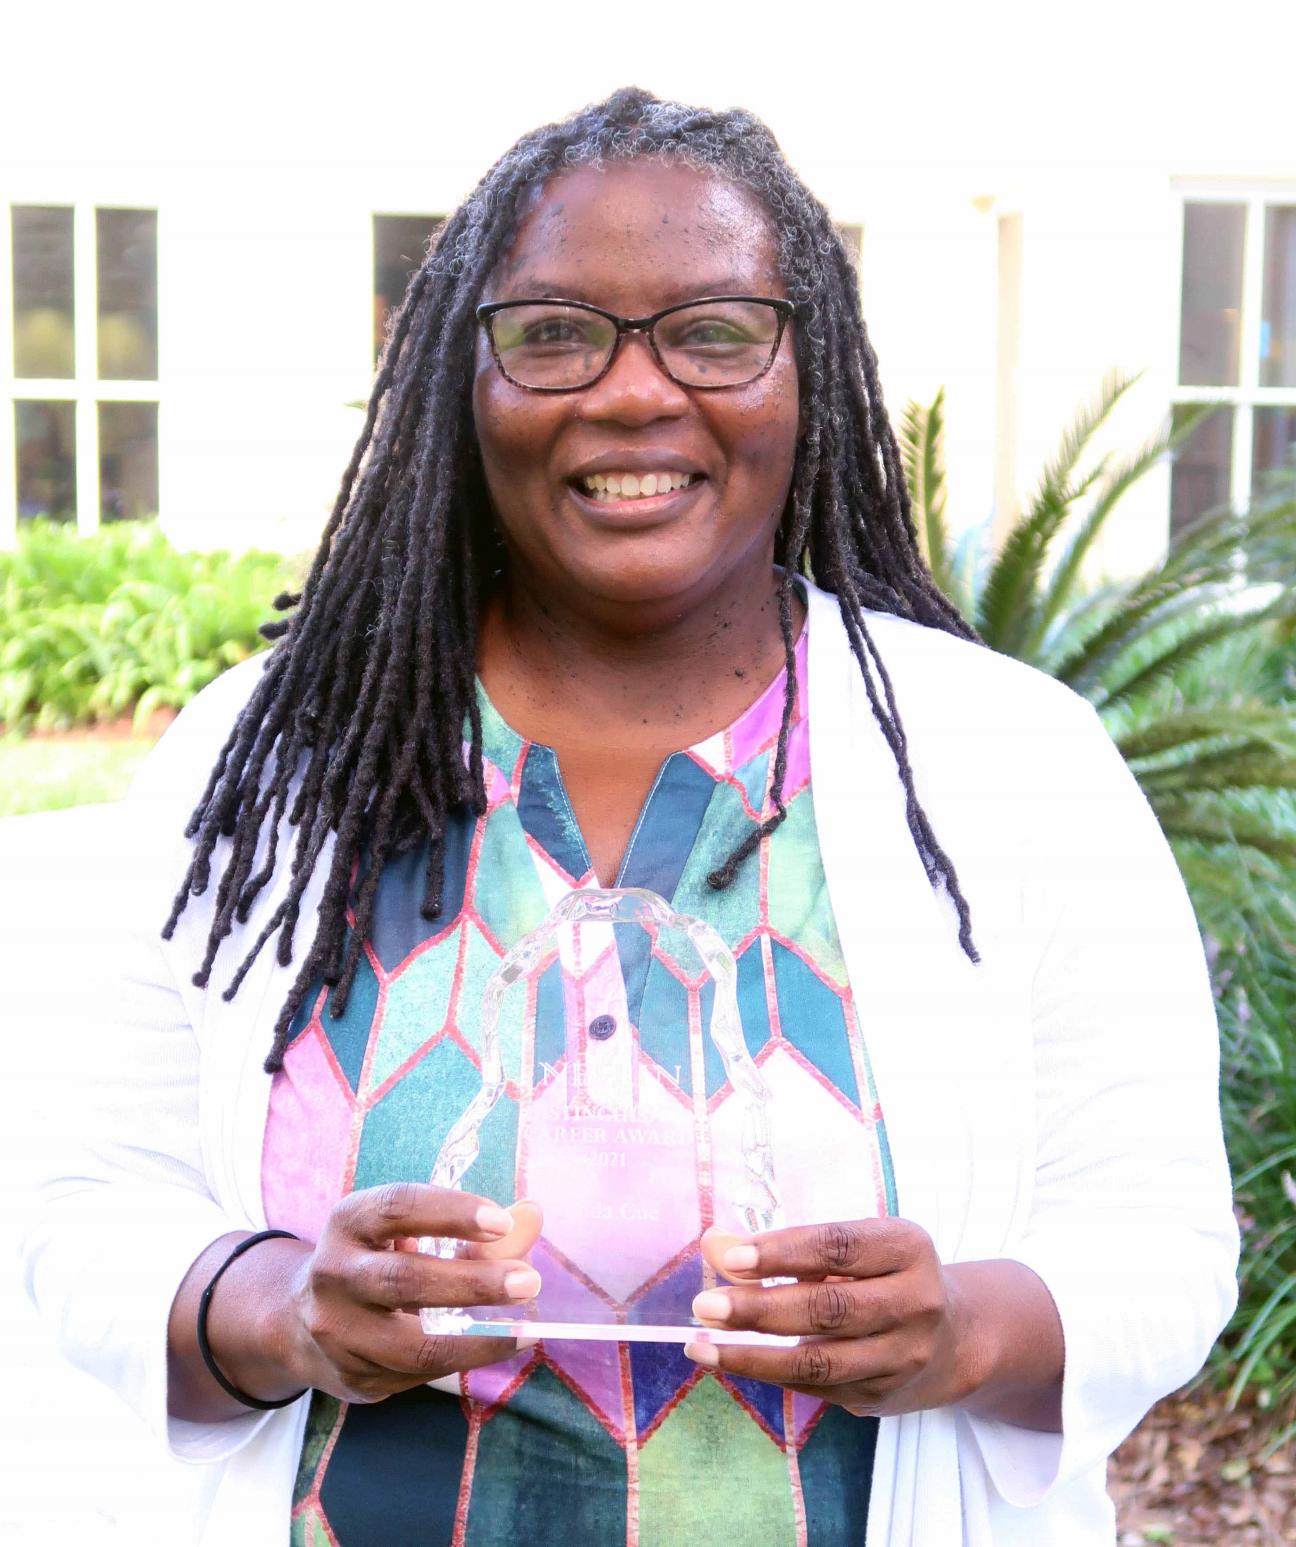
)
(530, 287)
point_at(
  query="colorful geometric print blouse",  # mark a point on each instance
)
(573, 1443)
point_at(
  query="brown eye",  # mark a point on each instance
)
(553, 332)
(715, 334)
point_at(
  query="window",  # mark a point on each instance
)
(81, 378)
(400, 243)
(1237, 348)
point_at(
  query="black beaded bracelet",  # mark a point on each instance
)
(204, 1305)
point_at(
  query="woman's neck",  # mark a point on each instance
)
(659, 681)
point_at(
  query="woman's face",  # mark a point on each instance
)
(633, 239)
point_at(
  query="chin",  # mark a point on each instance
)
(638, 580)
(643, 588)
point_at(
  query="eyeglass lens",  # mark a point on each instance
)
(711, 344)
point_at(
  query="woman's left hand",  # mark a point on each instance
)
(884, 1328)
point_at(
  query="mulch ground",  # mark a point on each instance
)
(1194, 1474)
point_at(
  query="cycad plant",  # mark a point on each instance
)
(1192, 666)
(1136, 647)
(1254, 969)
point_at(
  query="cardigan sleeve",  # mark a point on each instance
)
(121, 1205)
(1131, 1226)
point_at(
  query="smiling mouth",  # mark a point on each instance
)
(608, 487)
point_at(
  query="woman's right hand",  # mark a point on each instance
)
(356, 1298)
(342, 1317)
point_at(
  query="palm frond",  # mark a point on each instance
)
(921, 436)
(1193, 816)
(1213, 626)
(1131, 621)
(1262, 535)
(1230, 768)
(1064, 580)
(1259, 726)
(1206, 566)
(1006, 607)
(1059, 472)
(1082, 620)
(1009, 598)
(1226, 894)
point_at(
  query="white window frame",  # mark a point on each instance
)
(1248, 395)
(84, 388)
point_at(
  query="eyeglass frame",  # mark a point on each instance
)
(784, 310)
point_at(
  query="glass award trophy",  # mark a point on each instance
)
(615, 1078)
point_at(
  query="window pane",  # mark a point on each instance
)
(1273, 446)
(1211, 316)
(1278, 314)
(400, 243)
(127, 251)
(128, 461)
(46, 445)
(42, 291)
(1199, 479)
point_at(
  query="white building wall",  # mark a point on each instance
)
(265, 317)
(267, 145)
(1098, 293)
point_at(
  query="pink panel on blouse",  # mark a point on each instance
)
(306, 1144)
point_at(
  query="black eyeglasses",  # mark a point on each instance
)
(562, 346)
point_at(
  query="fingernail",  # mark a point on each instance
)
(712, 1305)
(525, 1343)
(492, 1220)
(706, 1354)
(522, 1284)
(740, 1258)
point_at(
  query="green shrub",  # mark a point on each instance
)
(93, 628)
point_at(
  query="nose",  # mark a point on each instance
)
(636, 390)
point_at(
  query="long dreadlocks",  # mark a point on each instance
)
(356, 725)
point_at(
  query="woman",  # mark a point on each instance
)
(559, 633)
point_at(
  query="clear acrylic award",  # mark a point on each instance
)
(613, 1063)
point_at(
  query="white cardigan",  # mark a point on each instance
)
(1056, 1104)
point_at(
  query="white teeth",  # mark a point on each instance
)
(612, 486)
